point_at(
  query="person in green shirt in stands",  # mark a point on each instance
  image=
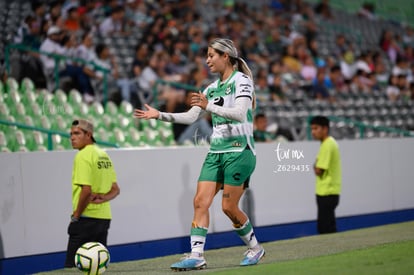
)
(260, 132)
(94, 184)
(327, 169)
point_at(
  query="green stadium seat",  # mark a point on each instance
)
(167, 136)
(83, 109)
(75, 96)
(3, 139)
(4, 110)
(13, 97)
(29, 97)
(12, 84)
(96, 109)
(45, 122)
(153, 137)
(2, 88)
(57, 142)
(5, 150)
(124, 122)
(27, 85)
(75, 100)
(60, 97)
(61, 124)
(119, 136)
(69, 112)
(126, 108)
(108, 121)
(135, 138)
(35, 112)
(28, 120)
(103, 134)
(111, 108)
(20, 143)
(19, 111)
(39, 141)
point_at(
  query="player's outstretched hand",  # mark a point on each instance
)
(148, 114)
(199, 99)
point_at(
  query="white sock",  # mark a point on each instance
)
(246, 233)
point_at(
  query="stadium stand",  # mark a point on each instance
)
(359, 104)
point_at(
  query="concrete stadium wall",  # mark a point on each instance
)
(157, 187)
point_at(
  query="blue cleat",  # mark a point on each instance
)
(189, 263)
(253, 256)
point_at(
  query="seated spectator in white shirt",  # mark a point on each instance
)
(52, 45)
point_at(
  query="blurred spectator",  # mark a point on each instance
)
(315, 53)
(408, 53)
(55, 11)
(361, 82)
(260, 81)
(23, 29)
(67, 5)
(70, 43)
(309, 70)
(319, 89)
(367, 10)
(392, 90)
(39, 10)
(404, 87)
(261, 133)
(410, 94)
(177, 64)
(153, 70)
(385, 39)
(136, 13)
(323, 9)
(290, 60)
(410, 76)
(253, 50)
(198, 73)
(277, 90)
(408, 36)
(72, 21)
(348, 66)
(30, 63)
(85, 49)
(363, 63)
(86, 52)
(342, 47)
(52, 44)
(142, 52)
(274, 43)
(114, 24)
(381, 73)
(401, 67)
(31, 37)
(116, 84)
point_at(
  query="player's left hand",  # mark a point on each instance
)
(200, 100)
(97, 198)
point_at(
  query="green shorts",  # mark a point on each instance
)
(233, 168)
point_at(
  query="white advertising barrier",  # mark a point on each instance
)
(158, 185)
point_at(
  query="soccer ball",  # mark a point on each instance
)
(92, 258)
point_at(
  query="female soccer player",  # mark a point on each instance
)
(231, 159)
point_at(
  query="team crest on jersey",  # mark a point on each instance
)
(228, 90)
(236, 144)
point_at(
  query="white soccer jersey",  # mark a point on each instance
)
(231, 135)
